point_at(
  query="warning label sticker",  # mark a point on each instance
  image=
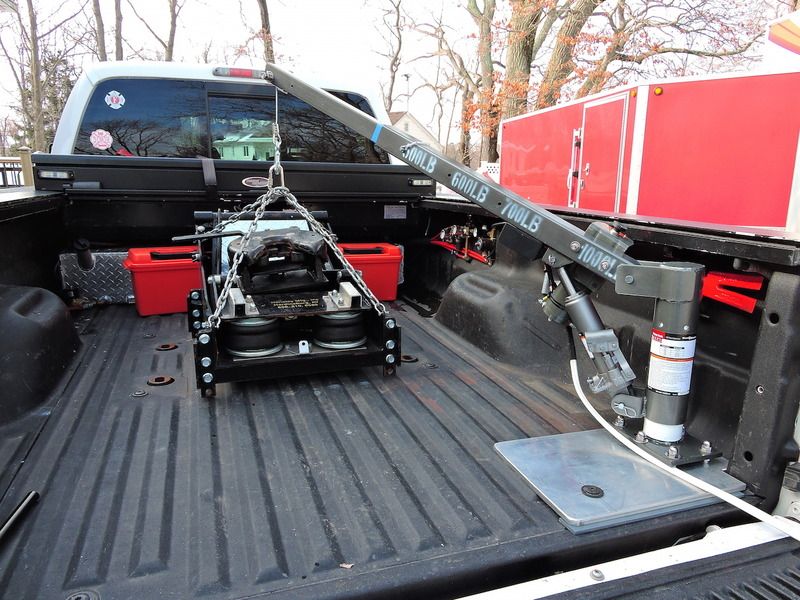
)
(671, 360)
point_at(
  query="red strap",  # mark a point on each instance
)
(715, 284)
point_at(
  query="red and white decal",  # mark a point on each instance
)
(115, 100)
(671, 360)
(101, 139)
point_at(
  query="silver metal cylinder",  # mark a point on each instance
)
(672, 348)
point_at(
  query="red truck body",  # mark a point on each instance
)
(721, 149)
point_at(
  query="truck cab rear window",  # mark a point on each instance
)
(175, 118)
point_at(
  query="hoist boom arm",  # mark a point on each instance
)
(577, 261)
(598, 255)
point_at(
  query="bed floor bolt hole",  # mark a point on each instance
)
(592, 491)
(87, 595)
(166, 347)
(160, 380)
(408, 358)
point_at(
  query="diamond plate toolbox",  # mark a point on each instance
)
(107, 281)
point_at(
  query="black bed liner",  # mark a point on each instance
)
(331, 486)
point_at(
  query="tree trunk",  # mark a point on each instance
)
(266, 32)
(169, 48)
(100, 31)
(525, 17)
(36, 108)
(118, 30)
(395, 37)
(561, 64)
(483, 19)
(464, 140)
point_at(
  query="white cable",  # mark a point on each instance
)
(790, 528)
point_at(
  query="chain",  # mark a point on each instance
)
(276, 168)
(260, 206)
(277, 192)
(330, 240)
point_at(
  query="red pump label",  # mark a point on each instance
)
(671, 360)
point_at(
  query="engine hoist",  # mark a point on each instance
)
(577, 263)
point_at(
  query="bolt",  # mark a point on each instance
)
(672, 452)
(641, 438)
(597, 575)
(759, 389)
(195, 295)
(390, 359)
(705, 448)
(390, 324)
(204, 338)
(619, 422)
(196, 324)
(604, 265)
(208, 377)
(575, 246)
(196, 313)
(390, 344)
(139, 393)
(551, 259)
(628, 279)
(205, 362)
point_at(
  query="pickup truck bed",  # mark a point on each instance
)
(349, 484)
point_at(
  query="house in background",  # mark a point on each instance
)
(406, 122)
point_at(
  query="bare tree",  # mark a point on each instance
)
(519, 55)
(100, 31)
(38, 57)
(118, 55)
(167, 44)
(561, 63)
(465, 78)
(489, 111)
(392, 33)
(266, 32)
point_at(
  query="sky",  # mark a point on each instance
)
(311, 37)
(326, 37)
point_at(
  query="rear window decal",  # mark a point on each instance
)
(115, 100)
(101, 139)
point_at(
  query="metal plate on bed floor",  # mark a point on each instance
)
(592, 481)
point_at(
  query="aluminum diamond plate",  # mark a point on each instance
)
(108, 281)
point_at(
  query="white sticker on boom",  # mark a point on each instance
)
(671, 360)
(115, 100)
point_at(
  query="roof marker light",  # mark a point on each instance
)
(237, 72)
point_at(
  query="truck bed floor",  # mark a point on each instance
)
(339, 485)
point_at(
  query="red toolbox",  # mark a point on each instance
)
(379, 265)
(162, 278)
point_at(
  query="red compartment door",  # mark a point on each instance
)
(602, 148)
